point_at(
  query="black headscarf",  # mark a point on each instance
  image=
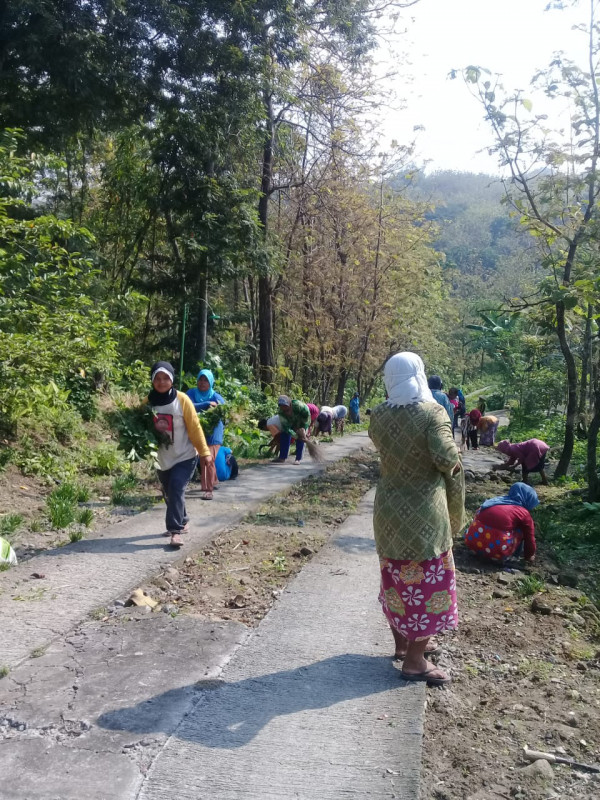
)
(162, 398)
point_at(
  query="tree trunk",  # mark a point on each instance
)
(567, 451)
(266, 358)
(585, 369)
(341, 387)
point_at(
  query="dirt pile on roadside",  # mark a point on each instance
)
(526, 667)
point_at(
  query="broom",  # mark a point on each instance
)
(314, 451)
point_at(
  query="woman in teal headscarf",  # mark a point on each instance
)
(204, 397)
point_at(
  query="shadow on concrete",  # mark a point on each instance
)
(229, 715)
(355, 544)
(125, 544)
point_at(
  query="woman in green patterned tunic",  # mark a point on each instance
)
(418, 506)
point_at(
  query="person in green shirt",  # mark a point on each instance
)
(294, 416)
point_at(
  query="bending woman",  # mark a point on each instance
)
(503, 524)
(412, 520)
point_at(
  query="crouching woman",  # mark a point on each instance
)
(503, 525)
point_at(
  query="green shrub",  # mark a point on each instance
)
(75, 536)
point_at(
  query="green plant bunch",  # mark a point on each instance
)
(210, 418)
(137, 432)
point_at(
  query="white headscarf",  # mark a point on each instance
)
(405, 380)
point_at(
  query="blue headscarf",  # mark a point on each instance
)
(520, 494)
(204, 397)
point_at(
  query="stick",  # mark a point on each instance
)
(536, 755)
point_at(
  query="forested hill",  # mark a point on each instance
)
(492, 255)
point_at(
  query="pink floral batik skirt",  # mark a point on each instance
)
(418, 598)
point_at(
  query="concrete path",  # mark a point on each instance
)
(310, 704)
(81, 577)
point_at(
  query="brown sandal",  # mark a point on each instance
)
(176, 540)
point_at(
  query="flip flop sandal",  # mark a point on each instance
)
(185, 529)
(207, 496)
(426, 677)
(176, 540)
(435, 651)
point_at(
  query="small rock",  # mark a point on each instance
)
(573, 694)
(581, 666)
(578, 620)
(171, 572)
(306, 551)
(502, 593)
(539, 771)
(539, 607)
(572, 719)
(170, 609)
(239, 601)
(504, 579)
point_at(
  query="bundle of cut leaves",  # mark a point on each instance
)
(138, 435)
(210, 418)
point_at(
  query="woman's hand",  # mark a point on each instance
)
(206, 460)
(212, 404)
(301, 434)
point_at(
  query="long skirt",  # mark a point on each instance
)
(208, 473)
(493, 543)
(418, 598)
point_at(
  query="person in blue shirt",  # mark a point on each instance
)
(355, 409)
(435, 385)
(203, 396)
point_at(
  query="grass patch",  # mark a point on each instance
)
(38, 652)
(99, 613)
(4, 671)
(121, 490)
(75, 536)
(9, 523)
(85, 517)
(529, 585)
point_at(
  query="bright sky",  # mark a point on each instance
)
(512, 37)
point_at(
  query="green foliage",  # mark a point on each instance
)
(9, 523)
(105, 459)
(50, 316)
(75, 536)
